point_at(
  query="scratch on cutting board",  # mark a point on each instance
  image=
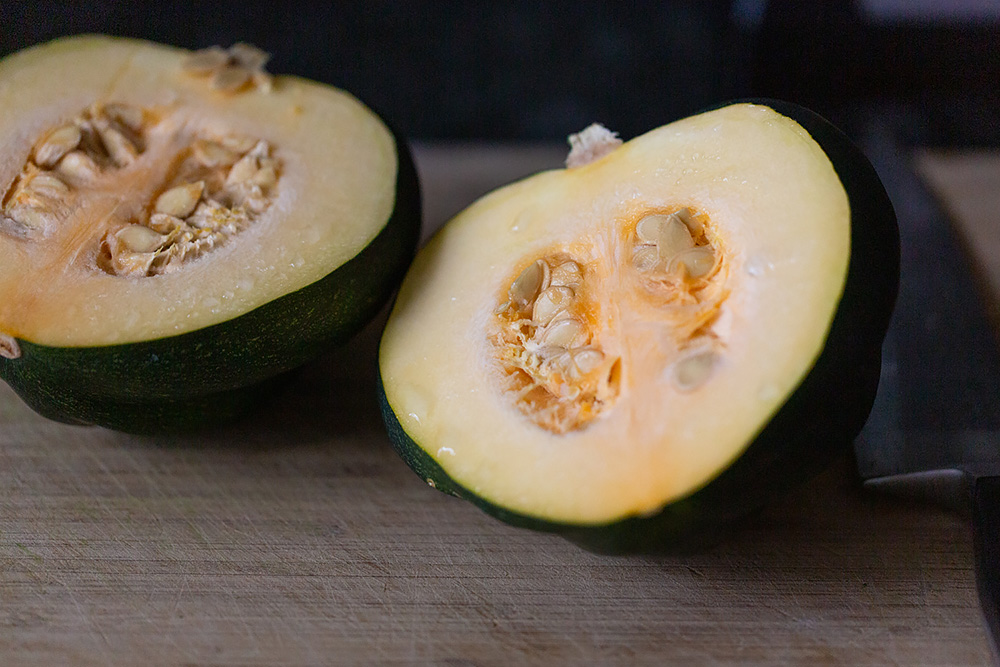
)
(29, 552)
(253, 643)
(95, 630)
(181, 590)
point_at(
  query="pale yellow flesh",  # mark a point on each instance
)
(336, 192)
(784, 219)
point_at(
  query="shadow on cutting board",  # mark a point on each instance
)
(331, 400)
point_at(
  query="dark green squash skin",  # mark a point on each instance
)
(818, 421)
(218, 373)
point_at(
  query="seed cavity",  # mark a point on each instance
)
(557, 373)
(215, 199)
(218, 185)
(673, 247)
(67, 159)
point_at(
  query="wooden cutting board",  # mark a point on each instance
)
(299, 538)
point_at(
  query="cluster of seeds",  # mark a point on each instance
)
(560, 372)
(217, 186)
(560, 377)
(676, 256)
(231, 70)
(218, 189)
(680, 269)
(673, 246)
(66, 160)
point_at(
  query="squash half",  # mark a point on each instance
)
(721, 289)
(171, 238)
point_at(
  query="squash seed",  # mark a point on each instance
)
(587, 359)
(121, 150)
(240, 143)
(164, 224)
(139, 239)
(230, 78)
(132, 264)
(695, 262)
(690, 221)
(30, 216)
(673, 237)
(266, 177)
(694, 370)
(78, 167)
(205, 61)
(181, 200)
(645, 258)
(668, 232)
(244, 169)
(550, 303)
(565, 333)
(567, 274)
(212, 154)
(126, 115)
(46, 184)
(648, 229)
(526, 286)
(59, 142)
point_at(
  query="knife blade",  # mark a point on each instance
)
(934, 431)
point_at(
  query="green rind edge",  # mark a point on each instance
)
(816, 424)
(218, 373)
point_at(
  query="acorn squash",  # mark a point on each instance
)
(178, 228)
(640, 349)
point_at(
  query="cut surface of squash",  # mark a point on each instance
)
(325, 173)
(595, 343)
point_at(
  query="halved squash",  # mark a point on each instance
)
(177, 228)
(641, 348)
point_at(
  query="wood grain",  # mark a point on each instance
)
(299, 538)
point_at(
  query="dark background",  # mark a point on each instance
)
(447, 69)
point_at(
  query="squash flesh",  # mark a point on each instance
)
(53, 294)
(778, 208)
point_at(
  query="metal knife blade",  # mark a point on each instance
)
(934, 431)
